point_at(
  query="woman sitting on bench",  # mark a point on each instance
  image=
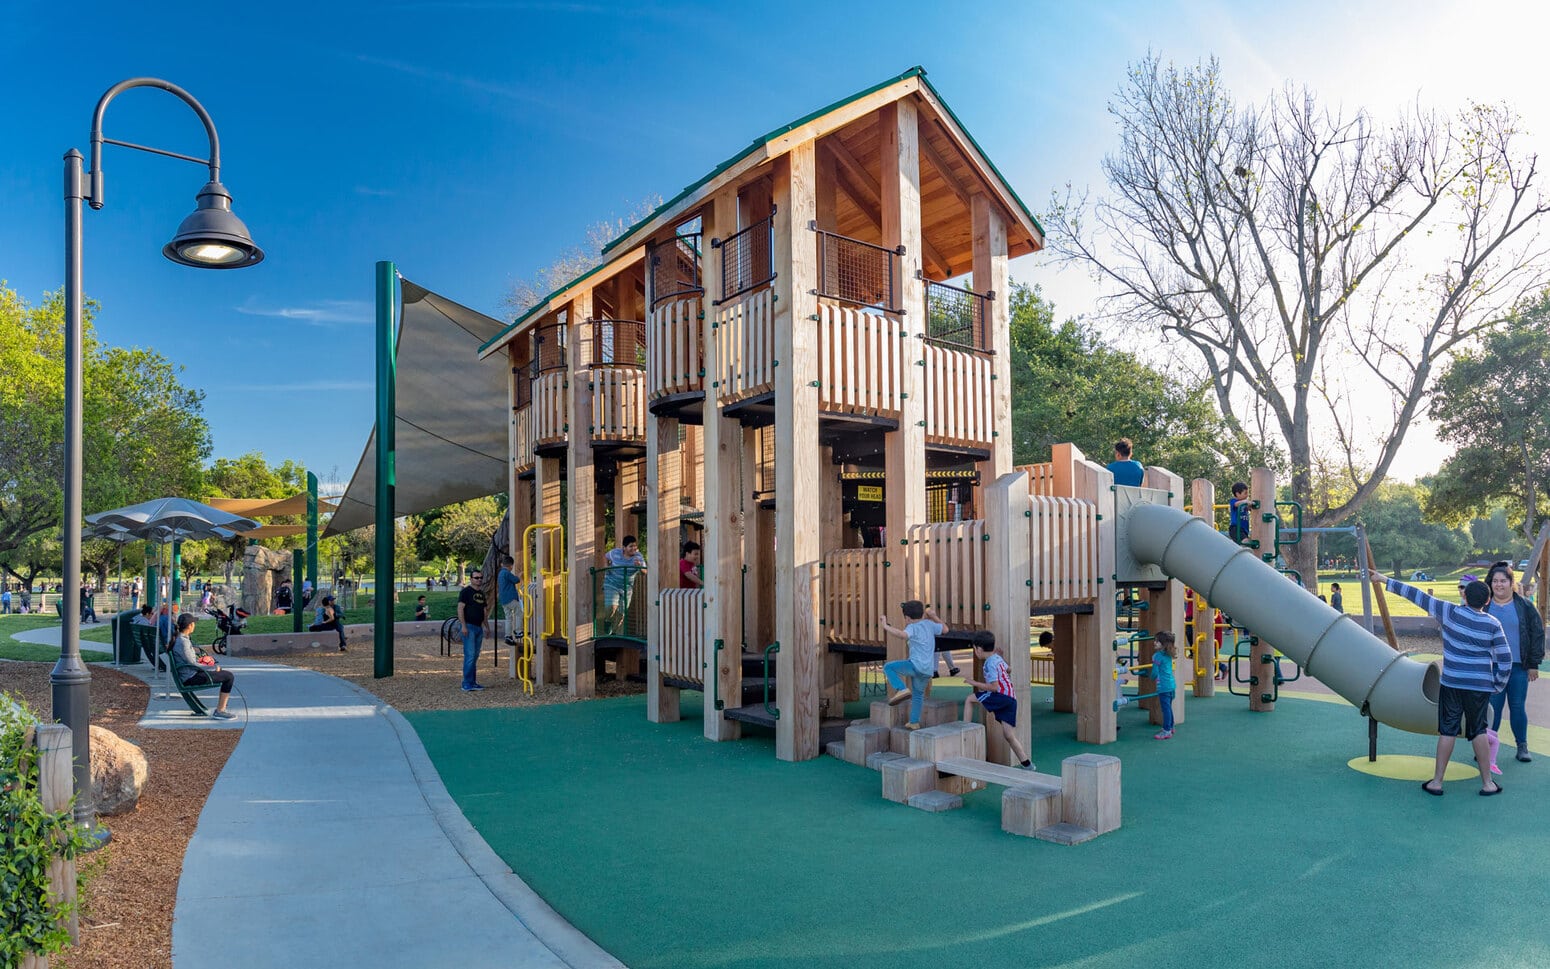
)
(195, 675)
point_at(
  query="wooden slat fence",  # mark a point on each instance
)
(859, 360)
(745, 347)
(958, 397)
(682, 644)
(550, 408)
(1063, 545)
(618, 404)
(854, 595)
(946, 563)
(1041, 478)
(522, 440)
(675, 360)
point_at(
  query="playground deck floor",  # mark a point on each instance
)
(1247, 840)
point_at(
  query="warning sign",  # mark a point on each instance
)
(869, 493)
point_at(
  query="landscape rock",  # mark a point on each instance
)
(118, 772)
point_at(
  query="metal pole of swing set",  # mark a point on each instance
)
(382, 597)
(312, 532)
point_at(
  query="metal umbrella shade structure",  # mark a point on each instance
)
(121, 537)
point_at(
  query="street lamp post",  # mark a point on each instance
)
(211, 238)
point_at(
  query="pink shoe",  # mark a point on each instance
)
(1494, 742)
(1163, 735)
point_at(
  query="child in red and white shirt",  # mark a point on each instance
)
(998, 698)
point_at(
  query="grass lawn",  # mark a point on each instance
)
(44, 653)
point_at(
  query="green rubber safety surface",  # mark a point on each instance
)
(1247, 840)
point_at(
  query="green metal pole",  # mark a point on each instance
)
(382, 613)
(312, 531)
(175, 587)
(152, 586)
(298, 560)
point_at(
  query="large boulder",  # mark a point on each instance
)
(118, 772)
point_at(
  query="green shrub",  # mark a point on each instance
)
(31, 919)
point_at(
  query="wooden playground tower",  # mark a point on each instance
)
(812, 337)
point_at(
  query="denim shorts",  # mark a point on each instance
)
(1463, 711)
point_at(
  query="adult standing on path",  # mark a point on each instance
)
(470, 612)
(1526, 638)
(1126, 469)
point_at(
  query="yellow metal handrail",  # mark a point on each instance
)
(553, 584)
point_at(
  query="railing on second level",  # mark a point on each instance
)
(857, 272)
(674, 267)
(617, 343)
(957, 316)
(747, 258)
(959, 397)
(860, 360)
(522, 437)
(550, 409)
(675, 358)
(1063, 541)
(745, 346)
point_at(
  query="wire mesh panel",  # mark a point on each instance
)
(549, 344)
(521, 387)
(956, 316)
(675, 268)
(857, 272)
(618, 343)
(747, 258)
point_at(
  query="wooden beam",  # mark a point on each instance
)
(664, 473)
(1262, 486)
(1202, 500)
(990, 275)
(939, 164)
(546, 485)
(796, 460)
(1165, 607)
(580, 534)
(1006, 525)
(905, 448)
(865, 193)
(723, 506)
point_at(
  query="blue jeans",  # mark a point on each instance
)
(902, 672)
(1514, 696)
(473, 641)
(1165, 703)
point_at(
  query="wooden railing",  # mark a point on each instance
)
(958, 397)
(859, 360)
(682, 644)
(522, 438)
(618, 404)
(854, 595)
(745, 347)
(675, 360)
(1041, 478)
(550, 408)
(1063, 546)
(946, 564)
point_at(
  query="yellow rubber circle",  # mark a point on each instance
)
(1408, 767)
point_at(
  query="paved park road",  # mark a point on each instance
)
(329, 840)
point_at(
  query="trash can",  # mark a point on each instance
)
(124, 647)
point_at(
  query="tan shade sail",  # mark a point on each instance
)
(275, 531)
(452, 420)
(268, 507)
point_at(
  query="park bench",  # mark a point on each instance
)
(189, 691)
(145, 640)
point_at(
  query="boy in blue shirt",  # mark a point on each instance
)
(910, 677)
(1238, 512)
(1126, 470)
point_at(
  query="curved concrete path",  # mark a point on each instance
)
(329, 840)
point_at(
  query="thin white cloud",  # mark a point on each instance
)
(328, 312)
(305, 386)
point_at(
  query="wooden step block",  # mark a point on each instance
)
(1091, 788)
(936, 712)
(905, 777)
(835, 748)
(884, 715)
(956, 739)
(935, 801)
(899, 740)
(864, 740)
(1065, 834)
(1025, 810)
(877, 760)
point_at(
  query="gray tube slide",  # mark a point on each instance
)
(1333, 648)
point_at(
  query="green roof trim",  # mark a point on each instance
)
(541, 304)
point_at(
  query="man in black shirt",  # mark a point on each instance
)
(470, 612)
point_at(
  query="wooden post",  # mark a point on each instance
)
(1165, 607)
(1378, 593)
(56, 787)
(722, 551)
(990, 275)
(1262, 488)
(1202, 500)
(831, 521)
(546, 485)
(580, 535)
(905, 448)
(1006, 523)
(755, 591)
(796, 457)
(1062, 460)
(1093, 635)
(664, 497)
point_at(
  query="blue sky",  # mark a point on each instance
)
(472, 141)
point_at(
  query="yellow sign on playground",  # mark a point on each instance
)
(869, 493)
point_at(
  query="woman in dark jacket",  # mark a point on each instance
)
(1526, 637)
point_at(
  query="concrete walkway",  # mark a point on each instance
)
(329, 839)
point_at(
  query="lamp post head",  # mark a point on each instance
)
(213, 238)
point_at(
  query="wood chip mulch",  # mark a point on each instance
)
(126, 919)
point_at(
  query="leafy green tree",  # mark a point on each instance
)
(1068, 384)
(465, 530)
(145, 434)
(1494, 537)
(1493, 402)
(252, 476)
(1401, 536)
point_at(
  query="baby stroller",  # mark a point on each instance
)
(234, 622)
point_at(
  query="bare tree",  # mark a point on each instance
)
(570, 263)
(1319, 265)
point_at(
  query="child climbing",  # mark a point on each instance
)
(1162, 672)
(998, 698)
(910, 677)
(1238, 512)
